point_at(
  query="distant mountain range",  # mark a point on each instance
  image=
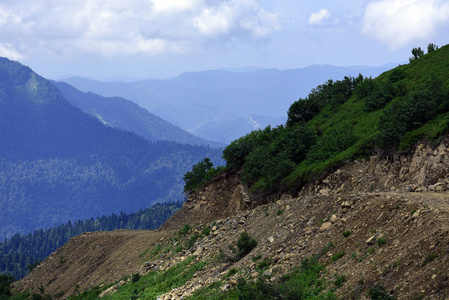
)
(58, 163)
(223, 105)
(124, 114)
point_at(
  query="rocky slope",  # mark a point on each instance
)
(383, 221)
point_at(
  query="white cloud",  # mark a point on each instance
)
(320, 17)
(399, 22)
(9, 52)
(116, 27)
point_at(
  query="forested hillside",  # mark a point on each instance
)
(123, 114)
(346, 119)
(58, 163)
(22, 252)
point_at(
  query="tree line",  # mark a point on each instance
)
(22, 252)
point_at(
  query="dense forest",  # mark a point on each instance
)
(344, 120)
(22, 252)
(58, 163)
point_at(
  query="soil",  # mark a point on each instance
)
(386, 234)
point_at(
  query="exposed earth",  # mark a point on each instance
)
(384, 221)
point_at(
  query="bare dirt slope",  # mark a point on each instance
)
(91, 259)
(384, 222)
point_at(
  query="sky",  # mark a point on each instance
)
(135, 39)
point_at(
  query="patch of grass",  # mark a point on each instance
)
(346, 233)
(338, 255)
(256, 257)
(144, 252)
(429, 258)
(178, 249)
(381, 241)
(154, 283)
(263, 265)
(369, 251)
(206, 230)
(154, 251)
(245, 244)
(339, 280)
(325, 249)
(279, 212)
(191, 241)
(302, 283)
(185, 230)
(413, 211)
(231, 272)
(379, 293)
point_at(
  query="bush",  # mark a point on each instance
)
(5, 282)
(185, 229)
(245, 244)
(379, 293)
(338, 255)
(135, 278)
(201, 172)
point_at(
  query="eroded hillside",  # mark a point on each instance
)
(378, 222)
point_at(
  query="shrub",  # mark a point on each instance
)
(430, 257)
(245, 244)
(338, 255)
(339, 280)
(191, 241)
(135, 277)
(381, 241)
(206, 230)
(185, 229)
(378, 293)
(201, 172)
(346, 233)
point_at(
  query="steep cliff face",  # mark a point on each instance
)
(383, 221)
(424, 169)
(225, 196)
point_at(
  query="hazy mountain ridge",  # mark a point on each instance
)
(126, 115)
(58, 163)
(211, 104)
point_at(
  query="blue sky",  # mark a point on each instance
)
(161, 38)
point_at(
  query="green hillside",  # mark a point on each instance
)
(347, 119)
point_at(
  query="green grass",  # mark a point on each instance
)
(152, 284)
(302, 283)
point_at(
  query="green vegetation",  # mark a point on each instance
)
(381, 241)
(58, 163)
(338, 255)
(344, 120)
(153, 284)
(379, 293)
(245, 244)
(200, 174)
(302, 283)
(339, 280)
(346, 233)
(22, 252)
(429, 258)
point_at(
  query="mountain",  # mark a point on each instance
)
(126, 115)
(348, 200)
(58, 163)
(209, 104)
